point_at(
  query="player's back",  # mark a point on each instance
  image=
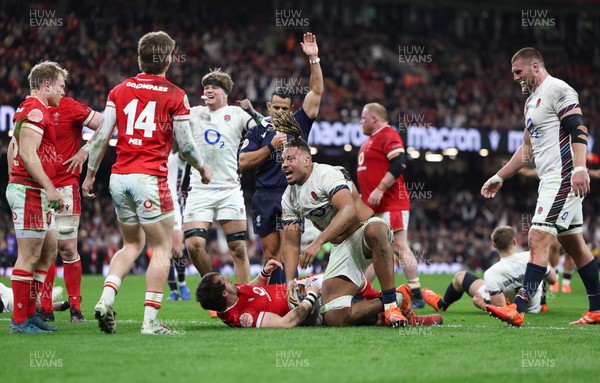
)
(146, 107)
(508, 273)
(69, 118)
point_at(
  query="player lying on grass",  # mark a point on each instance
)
(258, 304)
(500, 281)
(7, 299)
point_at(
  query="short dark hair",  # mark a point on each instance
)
(210, 293)
(282, 92)
(299, 143)
(502, 237)
(154, 50)
(529, 54)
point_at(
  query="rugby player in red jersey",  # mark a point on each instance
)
(147, 110)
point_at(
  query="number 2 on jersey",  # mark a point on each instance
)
(145, 120)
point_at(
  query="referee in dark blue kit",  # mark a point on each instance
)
(262, 149)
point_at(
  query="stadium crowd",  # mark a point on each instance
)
(466, 86)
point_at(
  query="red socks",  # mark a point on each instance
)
(21, 284)
(73, 282)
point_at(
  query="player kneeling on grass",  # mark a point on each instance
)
(499, 282)
(259, 304)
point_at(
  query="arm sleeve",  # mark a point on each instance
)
(398, 164)
(100, 139)
(492, 281)
(333, 179)
(188, 148)
(305, 123)
(565, 99)
(289, 215)
(82, 113)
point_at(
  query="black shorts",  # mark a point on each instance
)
(266, 206)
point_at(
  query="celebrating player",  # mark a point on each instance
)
(147, 110)
(499, 281)
(70, 116)
(262, 150)
(326, 195)
(218, 130)
(556, 136)
(381, 164)
(31, 194)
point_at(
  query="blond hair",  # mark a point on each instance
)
(45, 71)
(378, 110)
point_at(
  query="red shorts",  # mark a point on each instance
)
(397, 219)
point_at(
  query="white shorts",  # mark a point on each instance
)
(6, 295)
(67, 221)
(557, 210)
(397, 219)
(534, 306)
(31, 214)
(219, 204)
(140, 198)
(347, 258)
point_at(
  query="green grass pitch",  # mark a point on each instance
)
(469, 347)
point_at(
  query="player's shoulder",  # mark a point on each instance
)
(558, 87)
(198, 110)
(65, 103)
(32, 109)
(390, 131)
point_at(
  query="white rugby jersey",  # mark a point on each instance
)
(218, 135)
(550, 142)
(313, 199)
(507, 275)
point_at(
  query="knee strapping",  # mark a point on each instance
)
(239, 236)
(338, 303)
(196, 232)
(468, 280)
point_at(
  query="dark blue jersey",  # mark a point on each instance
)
(268, 172)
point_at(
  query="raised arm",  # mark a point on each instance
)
(265, 274)
(312, 100)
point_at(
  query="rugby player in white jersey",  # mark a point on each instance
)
(327, 196)
(218, 129)
(499, 282)
(556, 137)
